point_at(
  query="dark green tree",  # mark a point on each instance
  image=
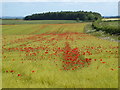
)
(66, 15)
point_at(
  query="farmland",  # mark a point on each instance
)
(12, 22)
(110, 19)
(57, 56)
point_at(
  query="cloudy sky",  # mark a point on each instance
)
(28, 7)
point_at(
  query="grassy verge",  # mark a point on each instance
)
(111, 27)
(89, 29)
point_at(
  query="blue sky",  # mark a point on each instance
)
(28, 8)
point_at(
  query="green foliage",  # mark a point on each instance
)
(67, 15)
(108, 27)
(100, 34)
(77, 19)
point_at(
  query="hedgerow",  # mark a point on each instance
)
(111, 27)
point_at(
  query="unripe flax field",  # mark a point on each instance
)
(57, 56)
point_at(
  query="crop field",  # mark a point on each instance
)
(110, 19)
(57, 56)
(7, 22)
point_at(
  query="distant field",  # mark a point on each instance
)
(30, 29)
(4, 22)
(57, 56)
(110, 19)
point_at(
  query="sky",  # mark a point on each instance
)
(28, 7)
(59, 0)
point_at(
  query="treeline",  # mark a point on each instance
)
(65, 15)
(111, 16)
(108, 27)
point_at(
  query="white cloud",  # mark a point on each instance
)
(59, 0)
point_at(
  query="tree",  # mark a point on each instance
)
(77, 19)
(66, 15)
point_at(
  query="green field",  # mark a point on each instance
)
(39, 56)
(4, 22)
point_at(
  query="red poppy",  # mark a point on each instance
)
(94, 59)
(112, 69)
(73, 69)
(19, 74)
(11, 71)
(33, 71)
(100, 59)
(46, 52)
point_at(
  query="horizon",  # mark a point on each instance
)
(29, 8)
